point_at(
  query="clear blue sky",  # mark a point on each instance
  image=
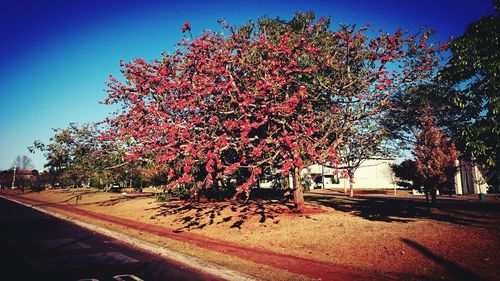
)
(55, 56)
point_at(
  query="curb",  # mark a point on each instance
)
(192, 262)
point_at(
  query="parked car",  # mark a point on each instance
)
(115, 188)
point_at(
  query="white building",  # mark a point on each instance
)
(469, 179)
(372, 174)
(377, 174)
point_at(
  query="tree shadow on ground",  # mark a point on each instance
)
(121, 199)
(72, 197)
(198, 215)
(458, 272)
(387, 209)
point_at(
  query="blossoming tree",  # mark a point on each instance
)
(271, 97)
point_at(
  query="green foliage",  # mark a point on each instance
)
(182, 192)
(36, 186)
(407, 174)
(163, 196)
(464, 96)
(76, 157)
(471, 82)
(409, 109)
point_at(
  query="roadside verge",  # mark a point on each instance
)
(295, 267)
(192, 262)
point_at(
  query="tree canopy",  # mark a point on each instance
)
(269, 97)
(23, 163)
(77, 156)
(463, 96)
(435, 157)
(471, 79)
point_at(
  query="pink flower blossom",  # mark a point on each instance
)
(186, 27)
(385, 59)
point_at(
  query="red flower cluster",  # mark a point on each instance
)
(186, 27)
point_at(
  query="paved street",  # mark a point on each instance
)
(35, 246)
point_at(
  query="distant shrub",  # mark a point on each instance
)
(36, 187)
(182, 192)
(163, 196)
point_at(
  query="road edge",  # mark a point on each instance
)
(192, 262)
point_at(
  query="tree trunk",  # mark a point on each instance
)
(351, 184)
(322, 176)
(351, 191)
(433, 196)
(427, 196)
(298, 194)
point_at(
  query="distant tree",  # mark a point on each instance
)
(80, 156)
(23, 163)
(43, 179)
(75, 155)
(393, 179)
(6, 178)
(407, 174)
(23, 167)
(26, 178)
(366, 139)
(435, 158)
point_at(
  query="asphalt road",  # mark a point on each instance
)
(36, 246)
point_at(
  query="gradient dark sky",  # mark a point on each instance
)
(55, 56)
